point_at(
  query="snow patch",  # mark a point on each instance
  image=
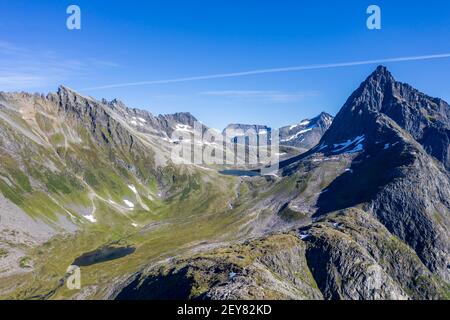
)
(132, 188)
(305, 122)
(339, 147)
(91, 218)
(128, 203)
(295, 136)
(170, 140)
(137, 121)
(328, 121)
(183, 127)
(304, 235)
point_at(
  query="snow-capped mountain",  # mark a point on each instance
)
(307, 133)
(303, 135)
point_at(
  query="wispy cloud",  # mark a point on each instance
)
(17, 81)
(24, 68)
(9, 48)
(103, 63)
(262, 95)
(273, 70)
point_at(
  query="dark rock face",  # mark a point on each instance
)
(173, 286)
(353, 256)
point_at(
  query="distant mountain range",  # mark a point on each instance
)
(303, 135)
(361, 211)
(307, 133)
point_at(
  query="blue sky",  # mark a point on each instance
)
(133, 41)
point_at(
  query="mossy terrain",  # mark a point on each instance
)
(260, 264)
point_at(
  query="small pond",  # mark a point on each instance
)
(102, 254)
(240, 173)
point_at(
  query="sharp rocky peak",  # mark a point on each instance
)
(380, 96)
(380, 74)
(115, 104)
(324, 119)
(373, 91)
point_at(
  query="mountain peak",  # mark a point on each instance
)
(180, 117)
(115, 104)
(426, 119)
(381, 70)
(380, 75)
(324, 116)
(63, 88)
(65, 93)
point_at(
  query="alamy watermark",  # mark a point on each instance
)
(73, 22)
(234, 147)
(73, 277)
(374, 20)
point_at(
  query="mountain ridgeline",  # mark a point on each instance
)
(361, 210)
(302, 136)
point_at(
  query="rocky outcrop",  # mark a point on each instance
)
(269, 268)
(353, 256)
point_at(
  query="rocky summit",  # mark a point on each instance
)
(359, 210)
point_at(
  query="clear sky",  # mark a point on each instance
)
(134, 41)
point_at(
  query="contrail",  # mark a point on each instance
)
(273, 70)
